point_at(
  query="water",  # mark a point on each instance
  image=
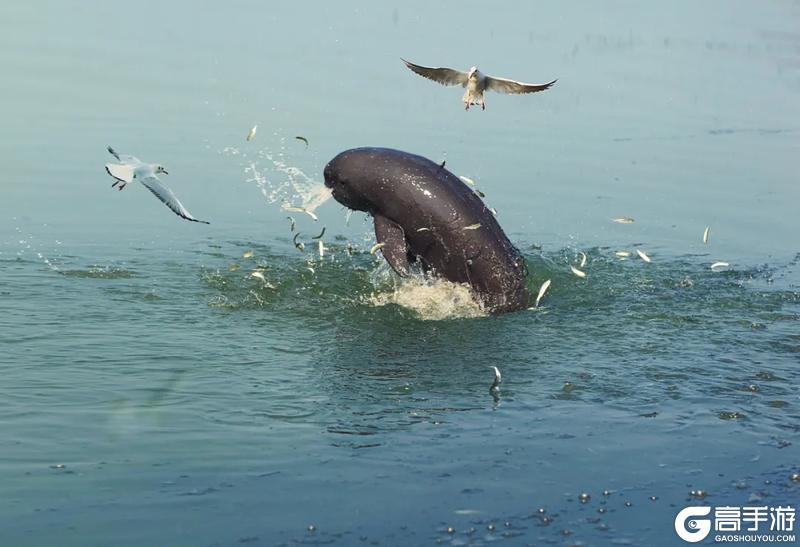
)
(154, 392)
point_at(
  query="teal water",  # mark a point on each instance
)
(154, 393)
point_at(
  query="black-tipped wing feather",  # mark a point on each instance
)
(442, 75)
(504, 85)
(168, 198)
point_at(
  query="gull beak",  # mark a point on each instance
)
(164, 171)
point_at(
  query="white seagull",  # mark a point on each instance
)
(131, 168)
(476, 82)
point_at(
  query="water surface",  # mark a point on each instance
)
(154, 392)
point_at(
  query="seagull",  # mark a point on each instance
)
(130, 168)
(476, 82)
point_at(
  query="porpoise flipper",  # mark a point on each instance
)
(395, 250)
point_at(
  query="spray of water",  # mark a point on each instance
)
(280, 182)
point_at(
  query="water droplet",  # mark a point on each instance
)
(601, 510)
(541, 510)
(451, 530)
(606, 492)
(628, 504)
(312, 528)
(584, 497)
(491, 528)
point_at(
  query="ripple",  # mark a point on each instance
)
(99, 272)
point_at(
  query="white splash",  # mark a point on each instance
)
(280, 182)
(431, 299)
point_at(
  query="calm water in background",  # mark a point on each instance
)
(192, 405)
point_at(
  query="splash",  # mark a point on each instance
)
(280, 182)
(431, 299)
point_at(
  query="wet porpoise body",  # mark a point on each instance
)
(425, 215)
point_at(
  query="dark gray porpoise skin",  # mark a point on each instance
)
(421, 211)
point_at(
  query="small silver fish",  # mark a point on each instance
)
(291, 225)
(321, 248)
(623, 254)
(481, 194)
(298, 245)
(542, 290)
(472, 226)
(300, 210)
(583, 259)
(247, 254)
(233, 267)
(252, 133)
(577, 272)
(423, 229)
(310, 269)
(375, 248)
(497, 378)
(716, 265)
(259, 275)
(643, 255)
(467, 180)
(493, 210)
(322, 233)
(706, 232)
(305, 140)
(623, 220)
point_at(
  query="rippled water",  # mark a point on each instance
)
(155, 392)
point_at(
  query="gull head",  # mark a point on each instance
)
(160, 169)
(473, 73)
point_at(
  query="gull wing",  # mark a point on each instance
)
(504, 85)
(120, 172)
(124, 158)
(442, 75)
(165, 195)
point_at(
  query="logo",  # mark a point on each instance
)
(737, 524)
(690, 528)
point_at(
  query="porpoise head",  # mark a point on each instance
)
(350, 178)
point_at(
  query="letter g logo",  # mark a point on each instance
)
(691, 529)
